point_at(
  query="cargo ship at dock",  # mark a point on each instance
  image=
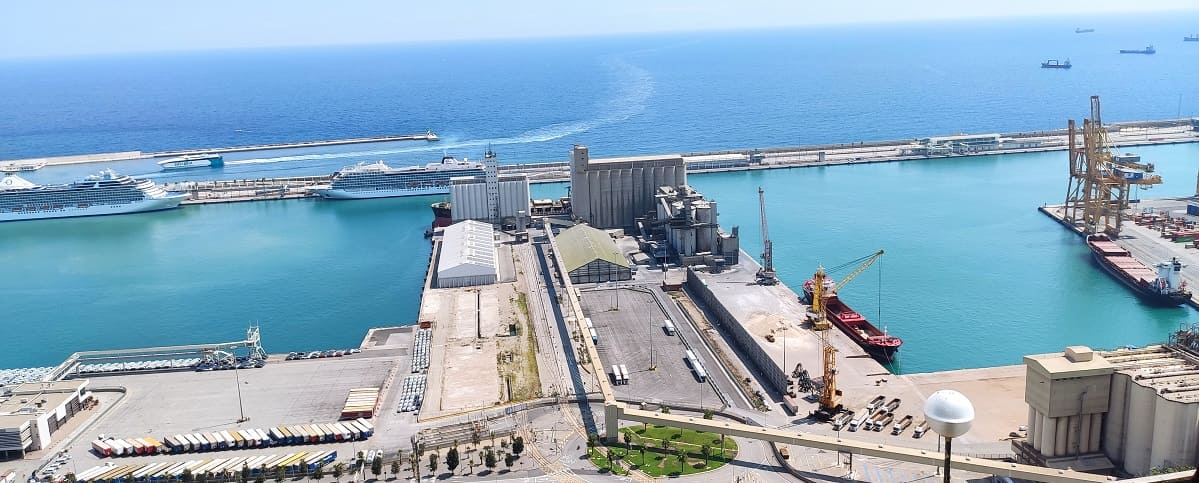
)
(1163, 287)
(378, 180)
(877, 343)
(106, 193)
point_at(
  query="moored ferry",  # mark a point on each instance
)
(378, 180)
(106, 193)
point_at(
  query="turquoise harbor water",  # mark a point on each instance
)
(974, 275)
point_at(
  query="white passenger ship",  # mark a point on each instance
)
(379, 180)
(107, 193)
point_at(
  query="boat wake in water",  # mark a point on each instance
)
(631, 88)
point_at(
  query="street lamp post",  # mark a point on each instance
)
(950, 414)
(240, 406)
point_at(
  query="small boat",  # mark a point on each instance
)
(1191, 38)
(1083, 31)
(1054, 64)
(15, 167)
(1148, 50)
(205, 160)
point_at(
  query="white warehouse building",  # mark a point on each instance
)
(467, 256)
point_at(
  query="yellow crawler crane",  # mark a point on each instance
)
(830, 396)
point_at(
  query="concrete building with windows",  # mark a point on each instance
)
(615, 192)
(1128, 411)
(591, 256)
(31, 413)
(467, 256)
(493, 197)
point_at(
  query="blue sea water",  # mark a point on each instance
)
(970, 262)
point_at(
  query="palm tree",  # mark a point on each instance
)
(682, 457)
(706, 450)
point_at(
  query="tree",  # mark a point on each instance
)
(489, 459)
(280, 475)
(592, 440)
(338, 470)
(395, 468)
(706, 450)
(377, 466)
(433, 462)
(245, 473)
(261, 476)
(708, 413)
(665, 409)
(201, 478)
(665, 443)
(399, 459)
(508, 459)
(187, 476)
(451, 457)
(681, 455)
(319, 474)
(71, 477)
(518, 445)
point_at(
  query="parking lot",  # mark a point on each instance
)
(633, 334)
(281, 393)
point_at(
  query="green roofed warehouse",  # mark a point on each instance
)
(591, 256)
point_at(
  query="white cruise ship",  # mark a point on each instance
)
(106, 193)
(379, 180)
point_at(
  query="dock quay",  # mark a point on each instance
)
(232, 191)
(1120, 134)
(1148, 245)
(136, 155)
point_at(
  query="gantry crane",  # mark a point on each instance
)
(830, 396)
(1098, 191)
(766, 275)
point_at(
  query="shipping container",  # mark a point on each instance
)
(239, 441)
(370, 428)
(1193, 209)
(594, 335)
(101, 449)
(155, 446)
(278, 436)
(668, 326)
(138, 447)
(355, 431)
(119, 448)
(173, 442)
(196, 443)
(86, 475)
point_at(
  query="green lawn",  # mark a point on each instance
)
(645, 451)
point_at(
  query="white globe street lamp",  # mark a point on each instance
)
(950, 414)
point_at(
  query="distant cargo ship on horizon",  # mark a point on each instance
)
(1083, 31)
(1054, 64)
(1191, 38)
(1148, 50)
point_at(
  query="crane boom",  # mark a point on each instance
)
(766, 275)
(866, 264)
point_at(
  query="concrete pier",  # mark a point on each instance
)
(135, 155)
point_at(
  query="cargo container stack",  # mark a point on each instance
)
(361, 403)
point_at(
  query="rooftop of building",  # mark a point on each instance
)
(28, 401)
(466, 244)
(1173, 372)
(1075, 361)
(483, 178)
(582, 244)
(672, 158)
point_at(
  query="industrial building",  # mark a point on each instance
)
(493, 198)
(31, 413)
(467, 256)
(590, 255)
(691, 227)
(966, 144)
(1130, 411)
(614, 192)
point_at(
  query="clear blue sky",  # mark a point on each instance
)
(37, 28)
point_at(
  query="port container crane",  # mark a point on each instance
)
(830, 396)
(766, 275)
(1100, 182)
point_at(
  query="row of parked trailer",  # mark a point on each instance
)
(877, 416)
(359, 429)
(292, 464)
(620, 374)
(696, 366)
